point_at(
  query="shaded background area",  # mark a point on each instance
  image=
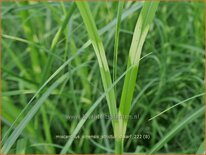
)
(171, 73)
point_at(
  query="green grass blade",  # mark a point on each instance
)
(125, 15)
(116, 44)
(17, 39)
(46, 126)
(21, 146)
(30, 43)
(140, 33)
(28, 27)
(197, 113)
(83, 73)
(188, 99)
(64, 24)
(100, 53)
(55, 41)
(201, 149)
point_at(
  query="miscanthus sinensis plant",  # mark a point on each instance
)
(142, 27)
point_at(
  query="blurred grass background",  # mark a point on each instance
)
(172, 72)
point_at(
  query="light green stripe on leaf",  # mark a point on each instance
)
(100, 53)
(140, 33)
(142, 27)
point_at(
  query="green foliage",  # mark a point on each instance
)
(60, 59)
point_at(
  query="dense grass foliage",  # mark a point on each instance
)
(51, 78)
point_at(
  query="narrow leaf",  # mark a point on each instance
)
(140, 33)
(100, 53)
(195, 114)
